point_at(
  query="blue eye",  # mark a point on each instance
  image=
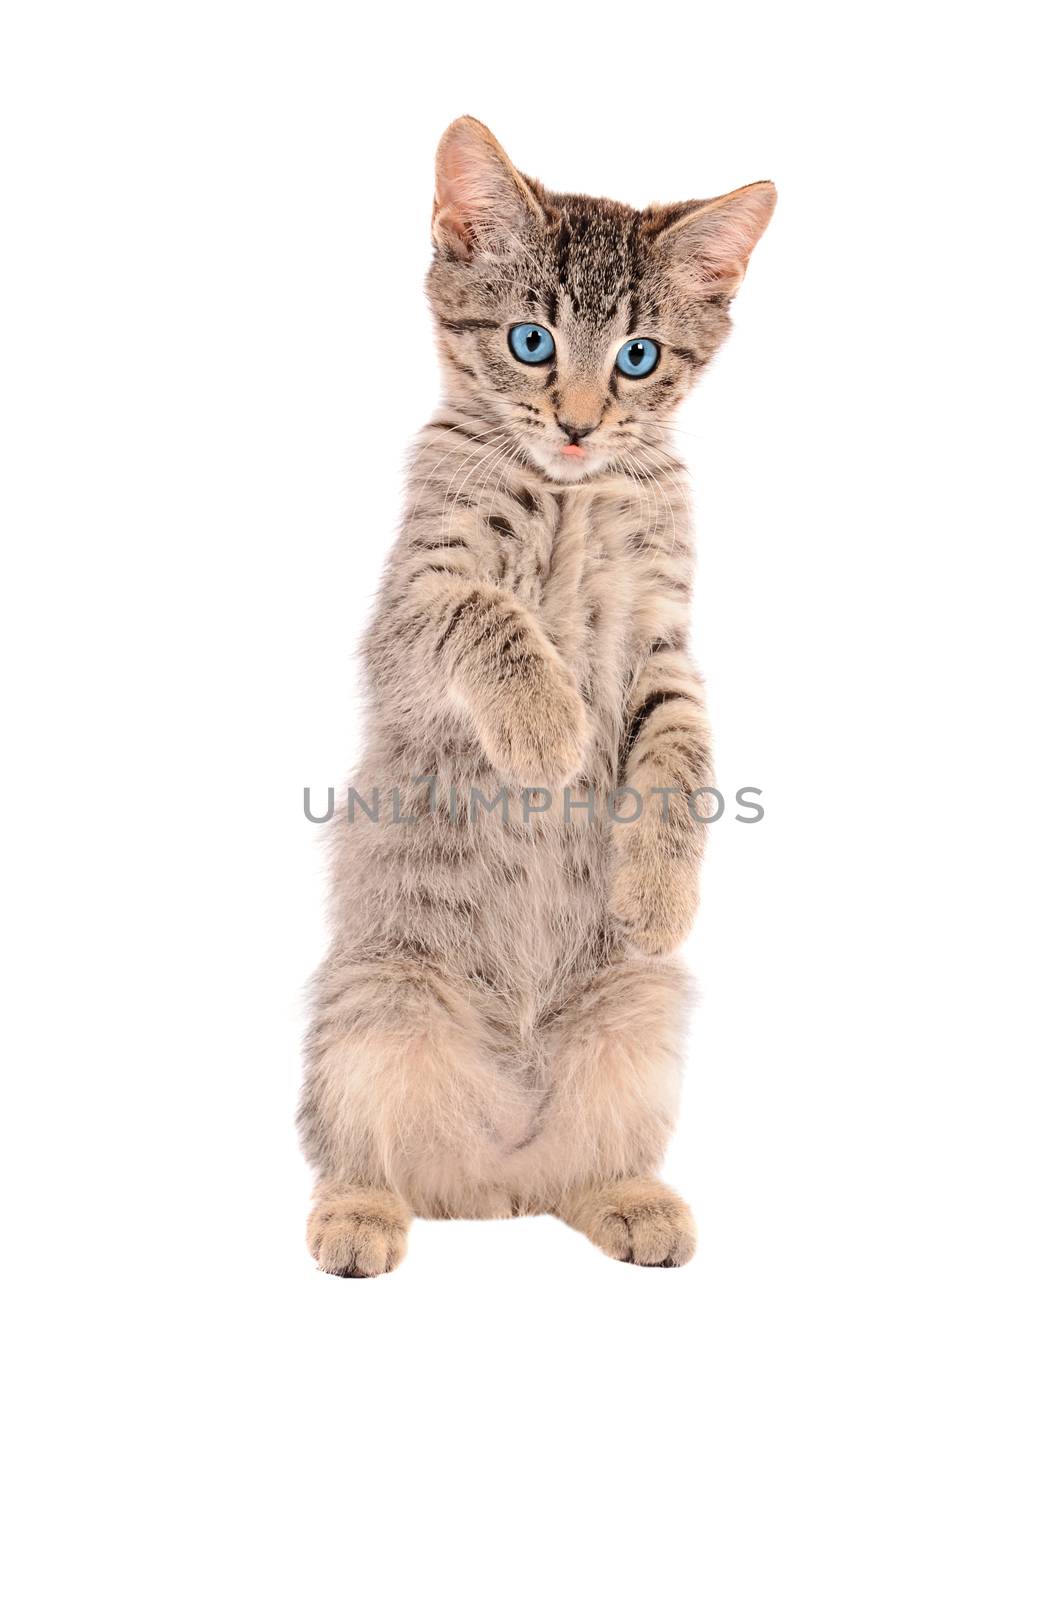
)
(637, 358)
(531, 344)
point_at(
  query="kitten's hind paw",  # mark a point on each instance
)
(358, 1233)
(635, 1219)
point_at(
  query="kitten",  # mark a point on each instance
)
(498, 1026)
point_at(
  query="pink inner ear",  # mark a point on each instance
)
(479, 196)
(466, 185)
(716, 243)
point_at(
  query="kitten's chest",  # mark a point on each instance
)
(587, 589)
(612, 572)
(601, 594)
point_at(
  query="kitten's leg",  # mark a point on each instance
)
(477, 648)
(633, 1219)
(614, 1064)
(355, 1232)
(403, 1108)
(615, 1055)
(655, 861)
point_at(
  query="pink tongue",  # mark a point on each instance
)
(572, 450)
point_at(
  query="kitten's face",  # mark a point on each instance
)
(571, 327)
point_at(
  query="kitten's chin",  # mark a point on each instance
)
(562, 468)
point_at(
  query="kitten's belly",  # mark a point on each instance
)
(512, 900)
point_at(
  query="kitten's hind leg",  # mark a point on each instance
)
(633, 1219)
(404, 1101)
(356, 1232)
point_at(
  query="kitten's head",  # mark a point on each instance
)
(572, 327)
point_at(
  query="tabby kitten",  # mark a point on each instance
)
(497, 1027)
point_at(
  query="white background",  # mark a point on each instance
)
(216, 349)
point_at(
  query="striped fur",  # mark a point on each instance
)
(497, 1027)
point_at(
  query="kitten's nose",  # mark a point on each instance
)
(576, 435)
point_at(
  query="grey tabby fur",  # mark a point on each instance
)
(497, 1027)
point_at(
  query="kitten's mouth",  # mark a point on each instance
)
(567, 462)
(571, 463)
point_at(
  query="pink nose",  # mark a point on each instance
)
(572, 450)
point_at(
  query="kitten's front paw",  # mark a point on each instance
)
(537, 734)
(358, 1233)
(654, 893)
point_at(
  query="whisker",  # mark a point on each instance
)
(674, 474)
(480, 465)
(483, 439)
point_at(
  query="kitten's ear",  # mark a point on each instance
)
(710, 243)
(478, 197)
